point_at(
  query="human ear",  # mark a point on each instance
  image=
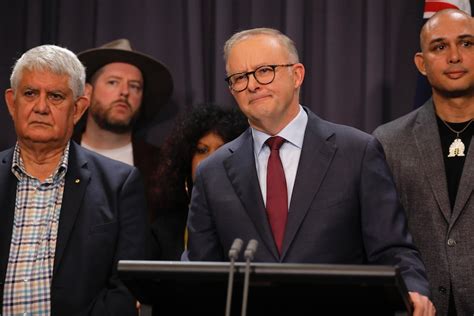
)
(10, 101)
(298, 72)
(419, 60)
(80, 106)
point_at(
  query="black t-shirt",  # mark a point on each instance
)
(454, 165)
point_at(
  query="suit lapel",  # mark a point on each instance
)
(8, 184)
(316, 156)
(465, 183)
(77, 179)
(427, 140)
(240, 168)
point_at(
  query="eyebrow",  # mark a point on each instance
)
(54, 90)
(256, 67)
(122, 78)
(442, 39)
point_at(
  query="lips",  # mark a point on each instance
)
(122, 105)
(455, 73)
(258, 98)
(40, 123)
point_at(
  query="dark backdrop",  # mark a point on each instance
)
(358, 53)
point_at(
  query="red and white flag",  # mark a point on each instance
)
(433, 6)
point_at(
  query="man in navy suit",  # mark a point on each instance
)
(68, 215)
(339, 202)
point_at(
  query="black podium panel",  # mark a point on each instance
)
(200, 288)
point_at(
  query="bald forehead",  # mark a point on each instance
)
(443, 20)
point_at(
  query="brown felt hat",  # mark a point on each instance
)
(158, 84)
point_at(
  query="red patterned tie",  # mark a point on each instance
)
(277, 196)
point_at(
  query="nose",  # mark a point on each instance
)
(124, 89)
(253, 83)
(41, 106)
(454, 55)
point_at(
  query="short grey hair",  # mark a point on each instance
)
(284, 40)
(55, 59)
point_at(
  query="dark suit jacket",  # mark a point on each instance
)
(102, 220)
(146, 159)
(344, 208)
(445, 237)
(167, 233)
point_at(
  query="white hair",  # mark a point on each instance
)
(284, 40)
(55, 59)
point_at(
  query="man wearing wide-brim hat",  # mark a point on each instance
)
(127, 89)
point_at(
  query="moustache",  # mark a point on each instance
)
(122, 102)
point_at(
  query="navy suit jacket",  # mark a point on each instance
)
(102, 220)
(344, 208)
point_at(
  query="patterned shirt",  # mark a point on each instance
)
(33, 244)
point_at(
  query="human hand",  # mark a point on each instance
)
(422, 306)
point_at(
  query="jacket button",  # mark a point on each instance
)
(442, 290)
(451, 242)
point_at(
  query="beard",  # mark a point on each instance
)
(454, 94)
(103, 118)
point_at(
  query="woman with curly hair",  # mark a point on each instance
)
(195, 136)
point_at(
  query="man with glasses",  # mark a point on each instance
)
(307, 190)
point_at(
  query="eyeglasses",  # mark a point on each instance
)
(264, 75)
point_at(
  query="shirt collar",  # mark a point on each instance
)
(293, 132)
(18, 167)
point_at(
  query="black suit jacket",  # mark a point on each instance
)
(344, 208)
(102, 220)
(146, 158)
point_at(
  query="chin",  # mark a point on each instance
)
(42, 140)
(456, 92)
(39, 136)
(119, 119)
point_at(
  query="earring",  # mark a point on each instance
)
(187, 188)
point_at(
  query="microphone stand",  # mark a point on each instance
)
(248, 254)
(233, 255)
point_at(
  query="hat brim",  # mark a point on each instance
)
(158, 83)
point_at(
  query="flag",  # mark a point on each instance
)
(423, 88)
(433, 6)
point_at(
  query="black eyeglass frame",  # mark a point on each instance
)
(247, 74)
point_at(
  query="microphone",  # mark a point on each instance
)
(235, 249)
(233, 255)
(251, 249)
(248, 254)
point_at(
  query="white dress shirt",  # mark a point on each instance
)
(290, 152)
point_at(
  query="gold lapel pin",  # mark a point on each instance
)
(77, 180)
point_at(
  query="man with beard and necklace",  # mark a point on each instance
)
(126, 88)
(428, 153)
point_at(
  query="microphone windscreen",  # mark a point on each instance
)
(235, 248)
(251, 249)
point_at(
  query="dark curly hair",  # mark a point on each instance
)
(173, 177)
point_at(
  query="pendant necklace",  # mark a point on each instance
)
(457, 146)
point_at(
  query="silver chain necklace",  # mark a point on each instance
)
(457, 147)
